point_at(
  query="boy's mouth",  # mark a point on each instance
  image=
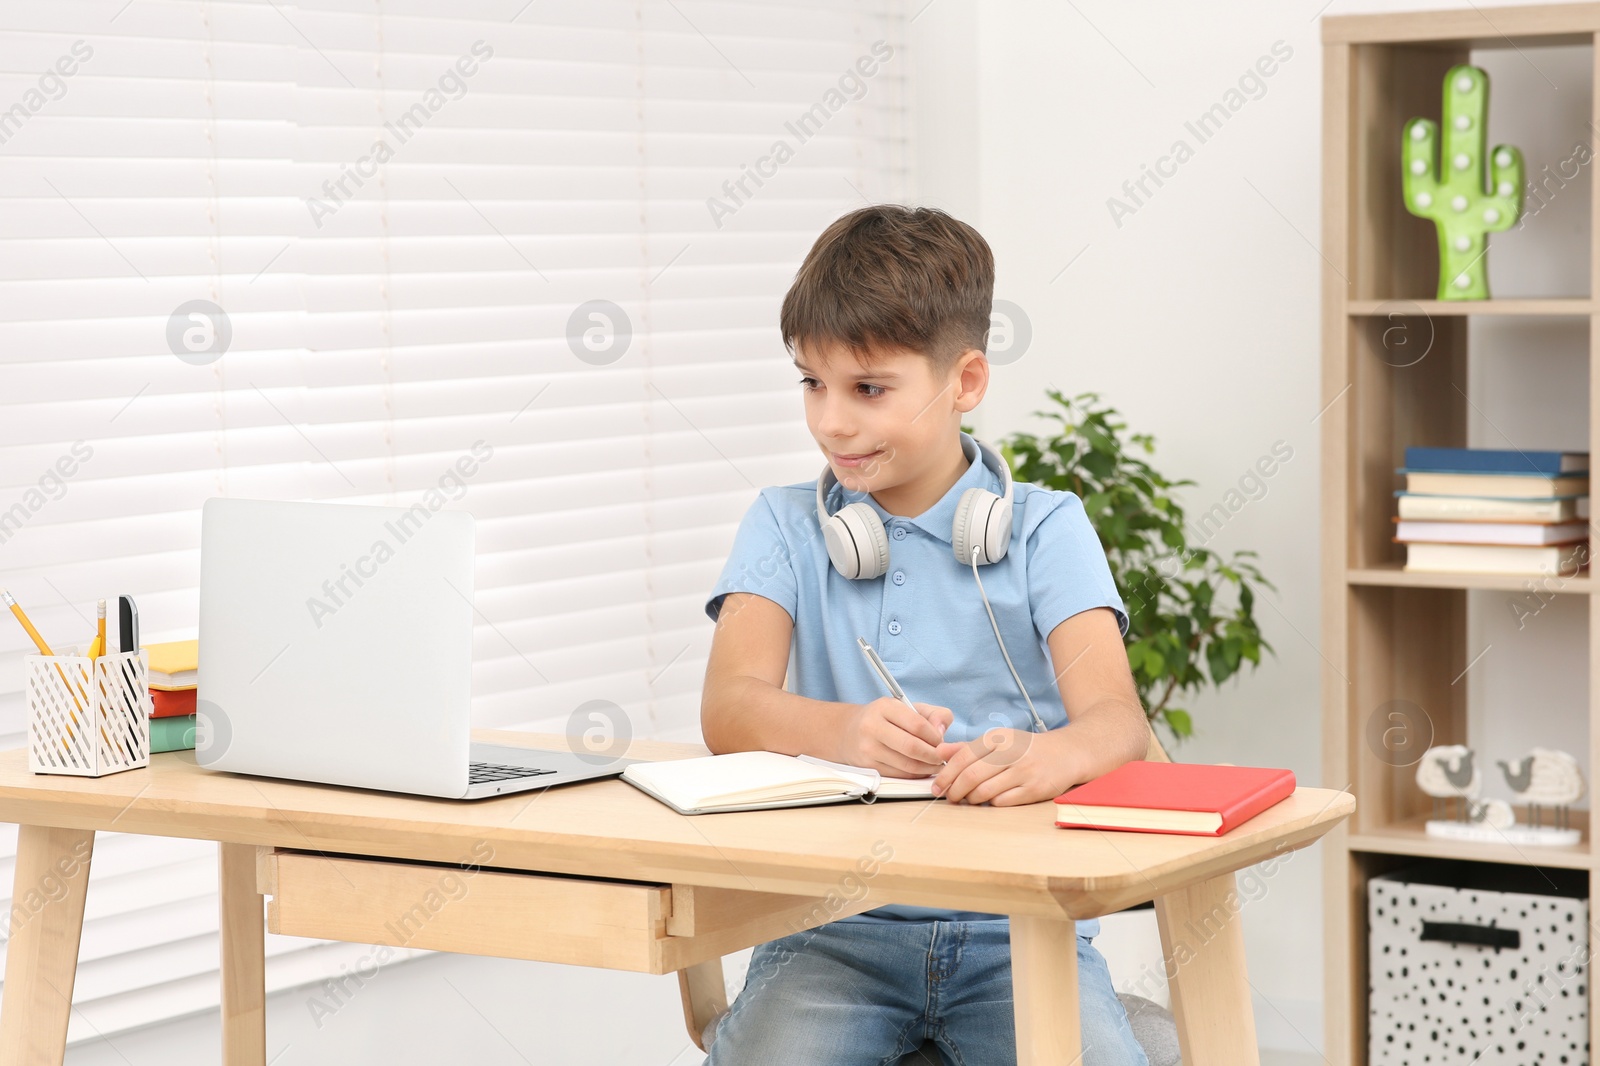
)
(854, 460)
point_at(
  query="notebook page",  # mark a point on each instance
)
(739, 777)
(883, 786)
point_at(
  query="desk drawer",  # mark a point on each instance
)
(619, 925)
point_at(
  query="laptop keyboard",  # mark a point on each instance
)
(479, 772)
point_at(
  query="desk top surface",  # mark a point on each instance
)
(995, 859)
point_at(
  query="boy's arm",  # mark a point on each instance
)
(744, 706)
(1106, 725)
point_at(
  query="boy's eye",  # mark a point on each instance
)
(874, 391)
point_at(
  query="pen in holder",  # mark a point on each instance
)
(88, 717)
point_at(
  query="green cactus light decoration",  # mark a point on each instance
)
(1449, 189)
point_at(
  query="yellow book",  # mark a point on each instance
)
(174, 664)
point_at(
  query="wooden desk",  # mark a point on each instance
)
(600, 874)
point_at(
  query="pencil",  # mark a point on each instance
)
(16, 609)
(44, 649)
(97, 647)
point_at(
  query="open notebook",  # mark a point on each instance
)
(763, 780)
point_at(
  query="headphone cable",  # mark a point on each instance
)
(996, 625)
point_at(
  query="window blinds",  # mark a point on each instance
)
(337, 250)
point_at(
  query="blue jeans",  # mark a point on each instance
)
(867, 993)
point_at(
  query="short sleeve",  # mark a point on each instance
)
(760, 562)
(1067, 568)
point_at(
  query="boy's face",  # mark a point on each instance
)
(890, 425)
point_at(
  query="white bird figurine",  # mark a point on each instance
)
(1545, 778)
(1449, 771)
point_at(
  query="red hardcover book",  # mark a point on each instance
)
(1195, 799)
(170, 704)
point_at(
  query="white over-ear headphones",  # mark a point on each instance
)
(859, 546)
(980, 533)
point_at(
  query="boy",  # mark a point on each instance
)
(887, 319)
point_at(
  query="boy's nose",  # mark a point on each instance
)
(834, 425)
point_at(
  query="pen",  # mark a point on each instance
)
(128, 640)
(119, 682)
(97, 649)
(884, 675)
(128, 623)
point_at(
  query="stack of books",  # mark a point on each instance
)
(1486, 510)
(174, 675)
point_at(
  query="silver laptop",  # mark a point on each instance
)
(336, 647)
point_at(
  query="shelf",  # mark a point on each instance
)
(1569, 306)
(1580, 584)
(1530, 26)
(1397, 369)
(1409, 838)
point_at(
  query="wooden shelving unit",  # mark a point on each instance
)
(1388, 309)
(1389, 635)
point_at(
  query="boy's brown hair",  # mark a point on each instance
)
(888, 274)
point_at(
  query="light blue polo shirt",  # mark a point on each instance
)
(924, 616)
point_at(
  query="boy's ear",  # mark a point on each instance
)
(971, 373)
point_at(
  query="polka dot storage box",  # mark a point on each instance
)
(1477, 963)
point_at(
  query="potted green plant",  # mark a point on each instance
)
(1190, 611)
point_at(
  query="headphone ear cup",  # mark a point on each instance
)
(857, 542)
(982, 520)
(999, 529)
(962, 536)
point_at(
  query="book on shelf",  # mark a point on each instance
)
(1526, 533)
(174, 664)
(1498, 558)
(172, 734)
(1492, 509)
(1509, 485)
(1496, 461)
(1196, 799)
(172, 703)
(763, 780)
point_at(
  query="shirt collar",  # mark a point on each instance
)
(940, 518)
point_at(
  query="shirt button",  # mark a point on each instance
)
(894, 627)
(899, 533)
(899, 577)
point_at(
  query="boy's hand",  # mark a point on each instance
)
(892, 739)
(1005, 767)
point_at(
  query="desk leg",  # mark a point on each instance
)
(1202, 939)
(243, 945)
(48, 893)
(1044, 976)
(704, 995)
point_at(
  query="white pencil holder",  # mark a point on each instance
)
(88, 717)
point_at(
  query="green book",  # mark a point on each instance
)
(174, 733)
